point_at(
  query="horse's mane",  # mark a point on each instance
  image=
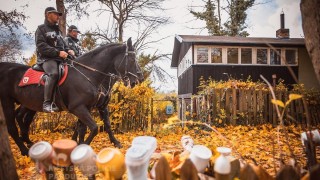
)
(109, 47)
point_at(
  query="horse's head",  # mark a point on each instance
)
(128, 67)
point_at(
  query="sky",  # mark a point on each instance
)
(263, 21)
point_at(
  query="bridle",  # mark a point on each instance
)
(126, 72)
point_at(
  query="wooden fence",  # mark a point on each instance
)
(228, 106)
(124, 122)
(248, 107)
(138, 121)
(133, 116)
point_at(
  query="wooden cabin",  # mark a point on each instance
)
(223, 57)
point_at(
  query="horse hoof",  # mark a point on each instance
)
(118, 145)
(25, 152)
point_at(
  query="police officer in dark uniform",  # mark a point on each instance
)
(73, 41)
(51, 49)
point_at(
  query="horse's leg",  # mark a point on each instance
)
(9, 113)
(80, 130)
(24, 118)
(28, 119)
(84, 115)
(75, 132)
(104, 115)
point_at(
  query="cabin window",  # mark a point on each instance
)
(275, 56)
(246, 56)
(216, 55)
(206, 54)
(232, 55)
(262, 56)
(202, 55)
(291, 56)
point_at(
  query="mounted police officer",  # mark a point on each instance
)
(51, 50)
(73, 41)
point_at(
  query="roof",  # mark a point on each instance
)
(182, 43)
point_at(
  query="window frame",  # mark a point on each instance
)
(256, 55)
(240, 56)
(210, 58)
(296, 57)
(196, 54)
(239, 51)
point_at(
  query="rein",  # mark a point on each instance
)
(91, 69)
(108, 74)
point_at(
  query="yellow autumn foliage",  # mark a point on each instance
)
(262, 143)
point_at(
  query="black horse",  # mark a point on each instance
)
(25, 117)
(80, 91)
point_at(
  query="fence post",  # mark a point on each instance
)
(191, 108)
(228, 111)
(234, 106)
(197, 107)
(151, 119)
(183, 109)
(274, 112)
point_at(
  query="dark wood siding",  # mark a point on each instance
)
(185, 82)
(189, 80)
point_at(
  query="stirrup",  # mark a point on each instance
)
(50, 107)
(54, 107)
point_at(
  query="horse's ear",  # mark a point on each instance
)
(129, 44)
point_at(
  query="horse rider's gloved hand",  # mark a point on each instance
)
(71, 52)
(63, 54)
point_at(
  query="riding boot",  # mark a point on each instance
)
(49, 86)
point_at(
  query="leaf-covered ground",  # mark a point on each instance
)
(262, 144)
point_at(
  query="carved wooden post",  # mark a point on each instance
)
(310, 149)
(69, 173)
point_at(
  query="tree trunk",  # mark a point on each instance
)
(310, 12)
(7, 163)
(63, 18)
(219, 16)
(120, 32)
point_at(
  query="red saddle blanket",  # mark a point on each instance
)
(34, 77)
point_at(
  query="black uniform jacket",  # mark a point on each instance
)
(49, 42)
(73, 45)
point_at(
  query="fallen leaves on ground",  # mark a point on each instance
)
(262, 144)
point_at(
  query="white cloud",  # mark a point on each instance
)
(264, 20)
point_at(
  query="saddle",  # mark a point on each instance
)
(35, 74)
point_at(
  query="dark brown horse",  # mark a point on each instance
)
(79, 93)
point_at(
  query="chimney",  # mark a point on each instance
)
(282, 33)
(282, 20)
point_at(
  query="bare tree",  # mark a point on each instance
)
(123, 12)
(7, 163)
(310, 11)
(145, 15)
(10, 35)
(150, 68)
(11, 20)
(10, 46)
(134, 11)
